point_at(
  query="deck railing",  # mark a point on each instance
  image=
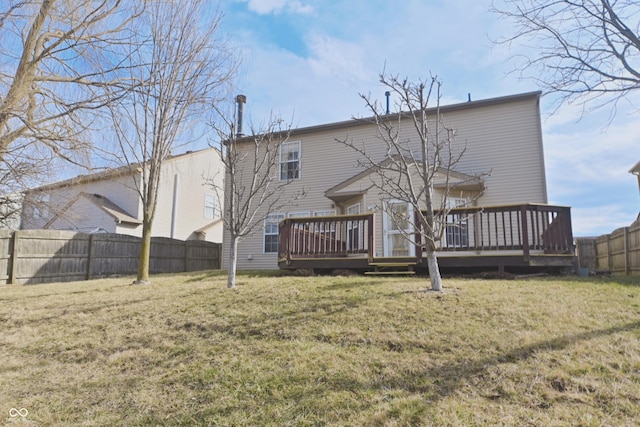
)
(485, 231)
(516, 227)
(325, 236)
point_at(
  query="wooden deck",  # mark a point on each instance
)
(529, 237)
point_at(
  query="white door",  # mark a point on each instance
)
(398, 223)
(353, 229)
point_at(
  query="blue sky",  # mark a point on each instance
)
(307, 61)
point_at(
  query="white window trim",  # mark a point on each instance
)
(456, 233)
(280, 162)
(352, 207)
(326, 212)
(298, 214)
(40, 208)
(280, 216)
(210, 206)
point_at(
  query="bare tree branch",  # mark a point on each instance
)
(182, 68)
(416, 156)
(252, 186)
(587, 51)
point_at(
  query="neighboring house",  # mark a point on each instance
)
(503, 140)
(636, 171)
(108, 202)
(10, 208)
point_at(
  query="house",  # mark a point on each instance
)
(635, 170)
(109, 202)
(498, 191)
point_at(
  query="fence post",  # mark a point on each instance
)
(609, 254)
(627, 253)
(90, 257)
(186, 254)
(14, 258)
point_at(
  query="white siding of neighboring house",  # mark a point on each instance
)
(119, 189)
(503, 139)
(85, 217)
(189, 200)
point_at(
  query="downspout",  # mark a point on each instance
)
(174, 208)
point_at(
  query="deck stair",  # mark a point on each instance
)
(392, 268)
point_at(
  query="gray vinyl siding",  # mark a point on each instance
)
(503, 139)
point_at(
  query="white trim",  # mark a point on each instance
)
(298, 214)
(350, 208)
(210, 202)
(326, 212)
(299, 160)
(269, 218)
(390, 229)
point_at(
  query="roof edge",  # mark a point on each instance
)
(443, 109)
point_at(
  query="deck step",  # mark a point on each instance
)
(390, 273)
(391, 264)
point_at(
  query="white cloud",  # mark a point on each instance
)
(337, 59)
(347, 43)
(600, 220)
(265, 7)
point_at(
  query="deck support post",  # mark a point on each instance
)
(525, 232)
(370, 238)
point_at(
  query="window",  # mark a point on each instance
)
(290, 161)
(327, 228)
(457, 229)
(209, 206)
(271, 223)
(330, 212)
(40, 206)
(298, 214)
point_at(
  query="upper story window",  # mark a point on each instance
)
(209, 206)
(290, 161)
(40, 206)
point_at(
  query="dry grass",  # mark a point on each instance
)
(348, 351)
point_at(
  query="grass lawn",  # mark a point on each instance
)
(335, 351)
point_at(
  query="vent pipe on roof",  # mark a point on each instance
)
(469, 97)
(387, 94)
(240, 100)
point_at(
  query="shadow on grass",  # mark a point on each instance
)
(444, 380)
(633, 281)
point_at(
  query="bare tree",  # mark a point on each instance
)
(183, 69)
(252, 185)
(58, 67)
(419, 152)
(586, 51)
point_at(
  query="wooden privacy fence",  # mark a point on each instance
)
(41, 256)
(618, 252)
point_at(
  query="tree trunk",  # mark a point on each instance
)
(145, 254)
(434, 271)
(233, 262)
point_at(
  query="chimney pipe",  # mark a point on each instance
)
(387, 94)
(240, 100)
